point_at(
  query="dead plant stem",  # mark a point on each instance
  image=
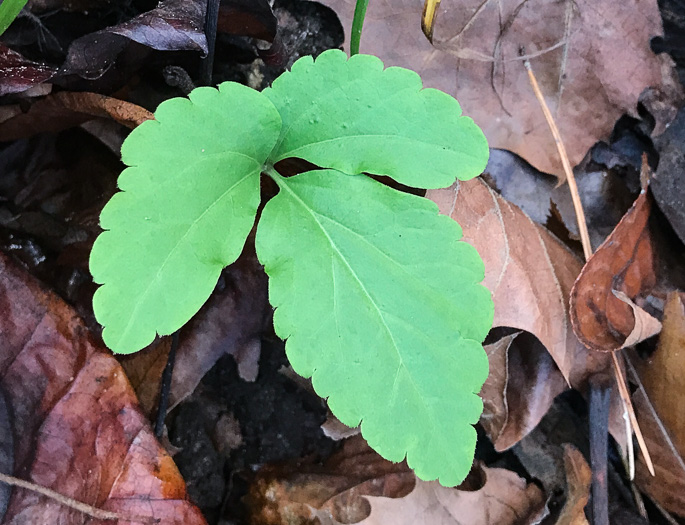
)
(89, 510)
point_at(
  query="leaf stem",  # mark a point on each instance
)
(357, 23)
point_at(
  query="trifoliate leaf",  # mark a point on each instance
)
(189, 200)
(381, 304)
(355, 116)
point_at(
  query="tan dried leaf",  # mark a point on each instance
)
(578, 479)
(504, 499)
(591, 57)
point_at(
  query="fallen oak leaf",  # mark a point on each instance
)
(623, 263)
(476, 41)
(336, 490)
(645, 327)
(82, 432)
(504, 499)
(530, 274)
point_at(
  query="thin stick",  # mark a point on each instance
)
(165, 388)
(211, 22)
(625, 396)
(89, 510)
(582, 223)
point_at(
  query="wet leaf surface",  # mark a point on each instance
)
(18, 74)
(6, 451)
(623, 263)
(81, 431)
(592, 60)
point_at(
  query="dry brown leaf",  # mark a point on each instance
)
(659, 403)
(623, 263)
(645, 327)
(530, 274)
(337, 489)
(77, 426)
(592, 59)
(520, 388)
(504, 499)
(578, 480)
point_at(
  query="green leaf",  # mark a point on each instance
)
(189, 201)
(381, 305)
(354, 116)
(9, 10)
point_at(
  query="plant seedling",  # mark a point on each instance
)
(378, 299)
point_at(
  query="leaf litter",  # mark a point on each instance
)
(479, 43)
(546, 373)
(81, 431)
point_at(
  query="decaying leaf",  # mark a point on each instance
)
(335, 491)
(659, 402)
(18, 74)
(81, 432)
(530, 274)
(67, 109)
(504, 499)
(591, 58)
(623, 263)
(578, 479)
(520, 388)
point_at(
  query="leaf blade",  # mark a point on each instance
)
(189, 200)
(372, 305)
(416, 136)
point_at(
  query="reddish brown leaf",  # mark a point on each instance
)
(623, 263)
(659, 403)
(77, 426)
(592, 59)
(578, 479)
(18, 74)
(65, 109)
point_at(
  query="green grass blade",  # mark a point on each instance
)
(9, 10)
(357, 24)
